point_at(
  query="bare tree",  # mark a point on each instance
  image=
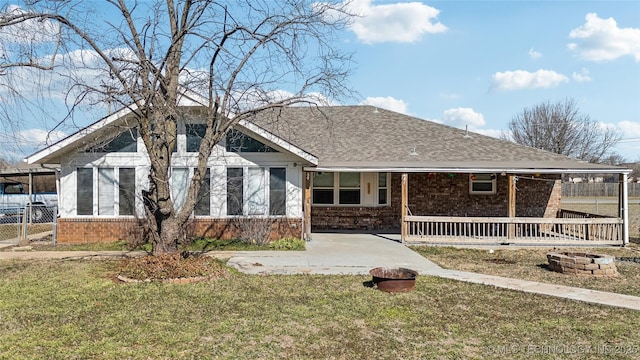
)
(561, 128)
(243, 57)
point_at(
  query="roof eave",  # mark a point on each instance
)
(510, 170)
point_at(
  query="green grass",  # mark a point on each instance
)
(72, 309)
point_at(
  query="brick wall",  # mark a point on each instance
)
(444, 195)
(92, 230)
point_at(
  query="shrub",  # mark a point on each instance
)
(287, 244)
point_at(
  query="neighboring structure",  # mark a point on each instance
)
(328, 168)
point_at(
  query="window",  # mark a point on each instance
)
(277, 191)
(255, 196)
(127, 191)
(249, 194)
(323, 188)
(179, 184)
(234, 191)
(482, 183)
(239, 142)
(195, 133)
(382, 188)
(203, 204)
(114, 186)
(349, 193)
(106, 196)
(13, 189)
(126, 141)
(84, 199)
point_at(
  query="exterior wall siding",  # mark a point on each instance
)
(441, 194)
(95, 230)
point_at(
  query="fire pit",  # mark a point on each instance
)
(394, 279)
(582, 263)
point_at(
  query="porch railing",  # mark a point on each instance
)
(514, 230)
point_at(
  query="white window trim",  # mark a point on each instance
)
(266, 182)
(479, 192)
(96, 195)
(336, 192)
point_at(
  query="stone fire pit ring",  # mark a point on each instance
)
(579, 263)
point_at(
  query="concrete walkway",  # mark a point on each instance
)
(356, 254)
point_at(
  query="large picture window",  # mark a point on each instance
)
(114, 186)
(241, 143)
(256, 191)
(350, 189)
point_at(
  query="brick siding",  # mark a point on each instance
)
(92, 230)
(444, 195)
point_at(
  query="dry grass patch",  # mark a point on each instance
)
(72, 310)
(531, 264)
(174, 266)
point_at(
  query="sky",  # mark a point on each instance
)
(476, 64)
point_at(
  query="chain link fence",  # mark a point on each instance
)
(19, 223)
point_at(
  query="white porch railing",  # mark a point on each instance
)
(434, 229)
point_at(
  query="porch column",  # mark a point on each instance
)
(404, 203)
(623, 206)
(306, 198)
(512, 205)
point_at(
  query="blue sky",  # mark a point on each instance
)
(478, 63)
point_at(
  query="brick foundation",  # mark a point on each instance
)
(444, 195)
(92, 230)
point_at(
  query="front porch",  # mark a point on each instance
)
(569, 228)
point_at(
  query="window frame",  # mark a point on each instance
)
(336, 191)
(473, 179)
(96, 174)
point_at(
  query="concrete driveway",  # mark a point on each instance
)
(335, 253)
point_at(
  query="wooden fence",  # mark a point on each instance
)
(597, 189)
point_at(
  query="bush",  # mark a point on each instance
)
(287, 244)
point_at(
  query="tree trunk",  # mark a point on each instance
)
(165, 240)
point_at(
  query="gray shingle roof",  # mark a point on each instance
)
(365, 136)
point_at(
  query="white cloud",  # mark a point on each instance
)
(582, 76)
(602, 40)
(29, 31)
(521, 79)
(495, 133)
(389, 103)
(399, 22)
(534, 54)
(460, 117)
(38, 137)
(630, 129)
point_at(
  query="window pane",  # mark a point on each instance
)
(483, 177)
(382, 180)
(195, 133)
(382, 196)
(324, 179)
(482, 186)
(204, 196)
(255, 196)
(84, 199)
(239, 142)
(323, 196)
(127, 191)
(178, 184)
(277, 191)
(349, 180)
(13, 189)
(126, 141)
(349, 196)
(106, 194)
(234, 191)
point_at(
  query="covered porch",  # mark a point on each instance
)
(478, 206)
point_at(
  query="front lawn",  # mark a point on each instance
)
(531, 264)
(73, 309)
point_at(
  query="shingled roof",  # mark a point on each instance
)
(366, 137)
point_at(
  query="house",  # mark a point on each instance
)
(336, 168)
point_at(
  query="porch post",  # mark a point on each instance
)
(512, 206)
(306, 226)
(403, 206)
(623, 205)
